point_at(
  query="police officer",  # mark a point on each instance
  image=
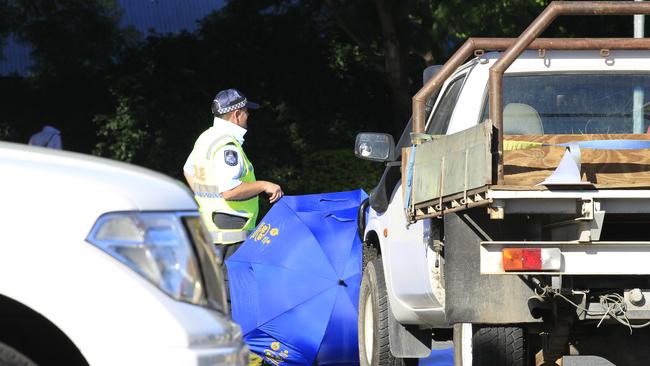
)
(222, 177)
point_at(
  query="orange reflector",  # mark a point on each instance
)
(531, 259)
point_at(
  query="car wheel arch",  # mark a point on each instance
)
(49, 343)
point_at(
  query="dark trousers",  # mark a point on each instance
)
(226, 251)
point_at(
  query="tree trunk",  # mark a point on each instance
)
(396, 67)
(395, 59)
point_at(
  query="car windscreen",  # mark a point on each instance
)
(584, 103)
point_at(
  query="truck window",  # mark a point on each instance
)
(445, 108)
(584, 103)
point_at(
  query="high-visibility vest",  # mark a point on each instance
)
(206, 192)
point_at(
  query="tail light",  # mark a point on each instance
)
(531, 259)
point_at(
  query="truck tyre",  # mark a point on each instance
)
(499, 346)
(10, 357)
(374, 346)
(370, 253)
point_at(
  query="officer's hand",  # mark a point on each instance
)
(274, 191)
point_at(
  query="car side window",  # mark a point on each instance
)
(442, 114)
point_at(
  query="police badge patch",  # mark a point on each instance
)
(230, 157)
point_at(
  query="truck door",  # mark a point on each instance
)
(407, 255)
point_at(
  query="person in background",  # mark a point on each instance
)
(48, 137)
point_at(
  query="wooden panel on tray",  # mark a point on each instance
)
(605, 168)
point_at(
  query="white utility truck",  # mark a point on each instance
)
(105, 263)
(514, 215)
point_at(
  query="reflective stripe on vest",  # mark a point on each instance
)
(205, 190)
(207, 195)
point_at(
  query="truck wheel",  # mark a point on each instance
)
(10, 357)
(374, 346)
(370, 253)
(499, 346)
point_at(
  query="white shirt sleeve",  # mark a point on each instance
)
(229, 167)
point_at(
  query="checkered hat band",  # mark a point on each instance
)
(233, 107)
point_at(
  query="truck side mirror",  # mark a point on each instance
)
(374, 146)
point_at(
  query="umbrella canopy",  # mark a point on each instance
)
(295, 282)
(439, 357)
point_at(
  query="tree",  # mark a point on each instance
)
(7, 21)
(121, 136)
(74, 42)
(69, 36)
(391, 48)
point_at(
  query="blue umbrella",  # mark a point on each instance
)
(439, 357)
(295, 282)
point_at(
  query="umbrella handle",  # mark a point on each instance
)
(341, 219)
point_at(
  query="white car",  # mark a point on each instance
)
(105, 263)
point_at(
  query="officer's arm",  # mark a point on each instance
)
(247, 190)
(189, 178)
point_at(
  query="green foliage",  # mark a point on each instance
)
(121, 137)
(338, 170)
(69, 36)
(7, 131)
(167, 98)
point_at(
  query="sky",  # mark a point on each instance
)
(161, 16)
